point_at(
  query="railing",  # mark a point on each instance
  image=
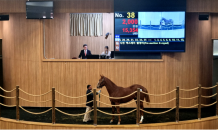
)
(53, 99)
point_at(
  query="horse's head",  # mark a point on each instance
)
(101, 82)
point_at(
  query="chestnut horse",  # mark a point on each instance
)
(116, 91)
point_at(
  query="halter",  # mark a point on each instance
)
(101, 81)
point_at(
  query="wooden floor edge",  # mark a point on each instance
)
(108, 126)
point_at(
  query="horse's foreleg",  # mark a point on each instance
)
(118, 112)
(141, 112)
(113, 111)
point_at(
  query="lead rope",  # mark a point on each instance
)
(99, 99)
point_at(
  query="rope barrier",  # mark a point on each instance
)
(209, 87)
(159, 94)
(73, 104)
(158, 112)
(158, 103)
(119, 97)
(116, 114)
(34, 95)
(34, 101)
(116, 105)
(209, 96)
(34, 112)
(7, 105)
(6, 96)
(188, 98)
(189, 89)
(189, 107)
(6, 90)
(73, 97)
(73, 114)
(207, 105)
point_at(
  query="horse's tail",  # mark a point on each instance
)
(146, 95)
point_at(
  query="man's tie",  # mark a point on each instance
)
(85, 52)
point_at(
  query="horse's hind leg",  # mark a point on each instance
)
(113, 111)
(118, 112)
(141, 112)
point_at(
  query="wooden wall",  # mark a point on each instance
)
(22, 40)
(205, 123)
(57, 37)
(214, 18)
(95, 44)
(60, 45)
(1, 29)
(202, 5)
(61, 6)
(84, 6)
(23, 65)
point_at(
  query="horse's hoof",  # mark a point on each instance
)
(140, 122)
(111, 121)
(118, 123)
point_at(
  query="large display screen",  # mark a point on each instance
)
(39, 9)
(150, 31)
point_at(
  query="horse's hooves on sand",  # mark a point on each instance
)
(111, 121)
(118, 123)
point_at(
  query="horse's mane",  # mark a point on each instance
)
(111, 81)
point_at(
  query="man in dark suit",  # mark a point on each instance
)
(89, 104)
(85, 52)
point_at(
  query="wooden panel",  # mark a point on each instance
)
(83, 6)
(60, 45)
(202, 6)
(205, 123)
(21, 54)
(1, 29)
(61, 6)
(199, 5)
(95, 44)
(92, 6)
(57, 37)
(12, 6)
(214, 6)
(214, 20)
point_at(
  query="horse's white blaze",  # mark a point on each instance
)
(141, 119)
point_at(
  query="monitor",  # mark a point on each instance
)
(39, 9)
(149, 31)
(92, 56)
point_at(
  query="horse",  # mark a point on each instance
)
(166, 22)
(116, 91)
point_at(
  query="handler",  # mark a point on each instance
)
(89, 105)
